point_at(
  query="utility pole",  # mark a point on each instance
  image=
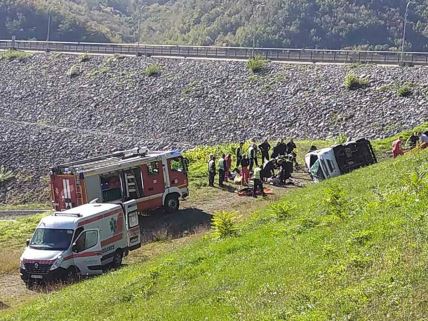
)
(48, 33)
(255, 6)
(404, 30)
(139, 5)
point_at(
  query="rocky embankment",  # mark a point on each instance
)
(54, 108)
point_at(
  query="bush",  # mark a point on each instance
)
(152, 70)
(5, 174)
(283, 211)
(404, 91)
(11, 54)
(74, 71)
(84, 57)
(341, 139)
(335, 201)
(353, 82)
(224, 224)
(257, 64)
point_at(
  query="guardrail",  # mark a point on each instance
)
(275, 54)
(15, 213)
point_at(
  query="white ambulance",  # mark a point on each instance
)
(81, 241)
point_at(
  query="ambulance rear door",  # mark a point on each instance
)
(132, 225)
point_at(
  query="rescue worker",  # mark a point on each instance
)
(221, 170)
(280, 149)
(211, 170)
(228, 165)
(312, 148)
(291, 146)
(268, 170)
(286, 168)
(239, 153)
(258, 183)
(413, 140)
(396, 147)
(252, 156)
(245, 162)
(264, 149)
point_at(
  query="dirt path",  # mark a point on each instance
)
(13, 291)
(193, 218)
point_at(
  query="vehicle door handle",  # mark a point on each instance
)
(150, 188)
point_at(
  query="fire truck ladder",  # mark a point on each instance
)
(131, 184)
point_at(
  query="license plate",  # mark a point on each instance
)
(35, 276)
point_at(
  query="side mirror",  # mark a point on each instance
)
(74, 248)
(27, 242)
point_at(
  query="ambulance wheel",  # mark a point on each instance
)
(117, 259)
(172, 203)
(70, 275)
(29, 284)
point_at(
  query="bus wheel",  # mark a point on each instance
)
(117, 259)
(172, 203)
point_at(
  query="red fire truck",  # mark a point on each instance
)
(154, 179)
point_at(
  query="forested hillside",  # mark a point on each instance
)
(273, 23)
(71, 20)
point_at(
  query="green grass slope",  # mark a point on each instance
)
(351, 248)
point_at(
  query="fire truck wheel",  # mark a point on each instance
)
(172, 203)
(117, 259)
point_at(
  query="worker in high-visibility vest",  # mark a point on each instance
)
(221, 170)
(252, 156)
(211, 170)
(258, 181)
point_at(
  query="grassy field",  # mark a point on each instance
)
(199, 156)
(350, 248)
(28, 206)
(13, 234)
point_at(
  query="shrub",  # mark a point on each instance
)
(341, 139)
(404, 91)
(224, 224)
(257, 64)
(84, 57)
(362, 237)
(353, 82)
(5, 174)
(11, 54)
(283, 211)
(335, 201)
(74, 71)
(152, 70)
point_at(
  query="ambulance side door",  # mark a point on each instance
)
(87, 252)
(132, 225)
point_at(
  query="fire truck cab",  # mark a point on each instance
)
(154, 179)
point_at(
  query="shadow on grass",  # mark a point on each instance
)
(3, 305)
(160, 226)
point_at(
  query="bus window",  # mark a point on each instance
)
(330, 165)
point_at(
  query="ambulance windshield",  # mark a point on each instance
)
(51, 239)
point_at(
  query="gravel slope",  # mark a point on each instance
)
(49, 117)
